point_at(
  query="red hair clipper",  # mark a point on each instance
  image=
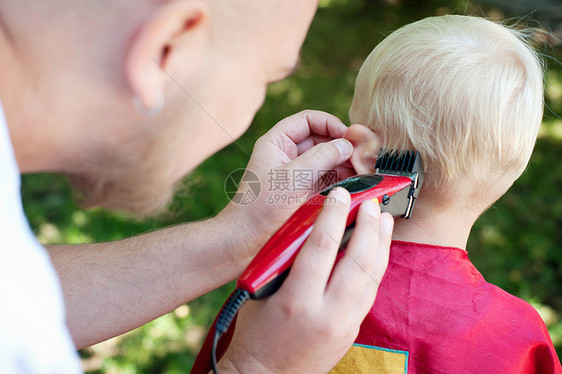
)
(394, 186)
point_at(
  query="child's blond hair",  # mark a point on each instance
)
(466, 92)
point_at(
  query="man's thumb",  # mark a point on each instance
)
(324, 156)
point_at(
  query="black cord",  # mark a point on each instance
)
(225, 318)
(214, 352)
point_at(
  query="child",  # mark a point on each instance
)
(467, 94)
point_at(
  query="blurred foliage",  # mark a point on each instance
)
(515, 244)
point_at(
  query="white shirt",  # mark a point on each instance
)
(33, 334)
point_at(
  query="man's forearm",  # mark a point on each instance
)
(111, 288)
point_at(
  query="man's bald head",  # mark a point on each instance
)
(75, 68)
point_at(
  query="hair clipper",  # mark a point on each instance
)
(395, 186)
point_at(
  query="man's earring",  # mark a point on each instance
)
(149, 112)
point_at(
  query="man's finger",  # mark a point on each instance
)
(381, 264)
(311, 141)
(313, 265)
(301, 125)
(325, 156)
(364, 262)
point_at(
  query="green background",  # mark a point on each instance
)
(515, 244)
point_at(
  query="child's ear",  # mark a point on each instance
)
(366, 146)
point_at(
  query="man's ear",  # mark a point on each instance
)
(170, 41)
(366, 146)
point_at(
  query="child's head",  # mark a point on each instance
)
(465, 92)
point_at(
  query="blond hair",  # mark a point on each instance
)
(467, 93)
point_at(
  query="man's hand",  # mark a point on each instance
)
(310, 323)
(308, 144)
(111, 288)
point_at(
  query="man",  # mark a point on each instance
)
(126, 97)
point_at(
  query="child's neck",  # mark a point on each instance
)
(445, 227)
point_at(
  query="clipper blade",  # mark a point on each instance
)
(401, 164)
(398, 163)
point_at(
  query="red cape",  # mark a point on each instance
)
(435, 313)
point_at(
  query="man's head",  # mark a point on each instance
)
(465, 92)
(72, 70)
